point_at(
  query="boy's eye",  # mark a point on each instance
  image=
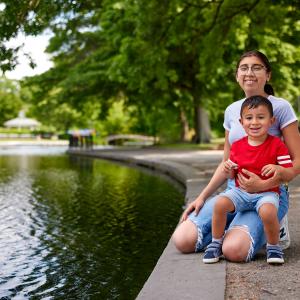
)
(261, 117)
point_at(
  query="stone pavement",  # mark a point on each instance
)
(184, 276)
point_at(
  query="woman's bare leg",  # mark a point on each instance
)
(185, 237)
(236, 244)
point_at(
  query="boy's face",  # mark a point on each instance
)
(256, 121)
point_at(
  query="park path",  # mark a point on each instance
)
(179, 276)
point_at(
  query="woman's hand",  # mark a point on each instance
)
(196, 205)
(253, 184)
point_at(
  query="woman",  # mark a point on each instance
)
(245, 234)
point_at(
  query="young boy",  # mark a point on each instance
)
(261, 154)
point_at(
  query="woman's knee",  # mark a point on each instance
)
(236, 245)
(185, 237)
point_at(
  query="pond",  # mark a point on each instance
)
(79, 228)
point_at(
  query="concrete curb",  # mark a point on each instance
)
(175, 276)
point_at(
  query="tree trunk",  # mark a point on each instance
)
(202, 126)
(184, 135)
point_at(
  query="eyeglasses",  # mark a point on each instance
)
(256, 69)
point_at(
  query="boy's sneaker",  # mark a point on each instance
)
(274, 255)
(212, 253)
(284, 234)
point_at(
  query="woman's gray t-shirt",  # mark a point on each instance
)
(283, 113)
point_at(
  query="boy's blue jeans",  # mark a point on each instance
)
(243, 201)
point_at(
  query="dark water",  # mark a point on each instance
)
(80, 228)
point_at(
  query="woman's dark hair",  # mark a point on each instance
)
(255, 101)
(267, 88)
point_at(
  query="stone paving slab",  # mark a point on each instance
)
(178, 276)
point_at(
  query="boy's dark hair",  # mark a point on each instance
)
(255, 101)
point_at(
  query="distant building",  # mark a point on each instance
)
(22, 122)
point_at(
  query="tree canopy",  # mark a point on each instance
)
(10, 99)
(171, 64)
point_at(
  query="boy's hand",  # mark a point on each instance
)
(229, 165)
(270, 169)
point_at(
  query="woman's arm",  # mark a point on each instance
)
(292, 140)
(215, 182)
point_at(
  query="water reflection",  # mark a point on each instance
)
(84, 230)
(32, 150)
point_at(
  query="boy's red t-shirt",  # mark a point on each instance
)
(253, 158)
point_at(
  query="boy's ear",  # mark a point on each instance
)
(273, 119)
(241, 121)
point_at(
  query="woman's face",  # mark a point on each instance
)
(252, 76)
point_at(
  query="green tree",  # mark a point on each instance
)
(158, 54)
(10, 101)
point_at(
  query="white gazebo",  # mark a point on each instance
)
(22, 122)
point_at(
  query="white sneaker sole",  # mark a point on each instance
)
(277, 261)
(211, 260)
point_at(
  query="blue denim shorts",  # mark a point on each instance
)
(248, 220)
(245, 201)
